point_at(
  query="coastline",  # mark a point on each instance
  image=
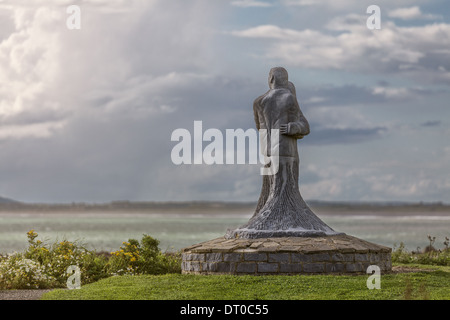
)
(224, 208)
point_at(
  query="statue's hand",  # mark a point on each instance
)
(284, 128)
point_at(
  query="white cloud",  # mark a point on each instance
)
(125, 59)
(348, 4)
(393, 49)
(28, 67)
(251, 3)
(411, 13)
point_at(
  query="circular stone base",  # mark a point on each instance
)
(285, 255)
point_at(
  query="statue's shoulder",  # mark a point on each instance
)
(257, 103)
(280, 95)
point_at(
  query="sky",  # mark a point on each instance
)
(86, 115)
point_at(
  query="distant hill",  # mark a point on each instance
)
(321, 207)
(7, 200)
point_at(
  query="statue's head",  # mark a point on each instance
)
(278, 77)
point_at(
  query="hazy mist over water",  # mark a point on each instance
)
(106, 230)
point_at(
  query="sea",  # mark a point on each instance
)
(106, 230)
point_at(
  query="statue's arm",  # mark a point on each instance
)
(298, 126)
(256, 109)
(255, 114)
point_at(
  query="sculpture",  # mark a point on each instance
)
(281, 210)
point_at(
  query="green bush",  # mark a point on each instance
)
(142, 258)
(17, 272)
(429, 256)
(60, 255)
(45, 266)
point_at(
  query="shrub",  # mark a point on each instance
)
(142, 258)
(17, 272)
(45, 266)
(430, 255)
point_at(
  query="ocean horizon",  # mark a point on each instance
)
(180, 226)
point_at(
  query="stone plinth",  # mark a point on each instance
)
(286, 255)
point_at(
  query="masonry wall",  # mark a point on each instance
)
(283, 262)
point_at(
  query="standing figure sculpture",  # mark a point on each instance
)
(281, 210)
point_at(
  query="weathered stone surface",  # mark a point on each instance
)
(335, 267)
(217, 257)
(267, 267)
(314, 267)
(321, 257)
(354, 267)
(361, 257)
(246, 267)
(279, 257)
(341, 254)
(290, 268)
(232, 257)
(281, 210)
(255, 256)
(300, 257)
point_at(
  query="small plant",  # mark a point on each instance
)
(430, 255)
(142, 258)
(430, 247)
(17, 272)
(45, 266)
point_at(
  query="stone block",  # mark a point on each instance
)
(300, 257)
(226, 267)
(255, 256)
(349, 257)
(335, 267)
(374, 258)
(314, 267)
(192, 266)
(197, 257)
(232, 257)
(320, 257)
(337, 256)
(219, 267)
(264, 267)
(361, 257)
(290, 268)
(354, 267)
(279, 257)
(246, 267)
(214, 257)
(186, 257)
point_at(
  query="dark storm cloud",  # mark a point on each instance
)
(335, 136)
(431, 123)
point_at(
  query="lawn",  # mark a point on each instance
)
(423, 285)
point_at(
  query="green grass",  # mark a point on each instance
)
(417, 285)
